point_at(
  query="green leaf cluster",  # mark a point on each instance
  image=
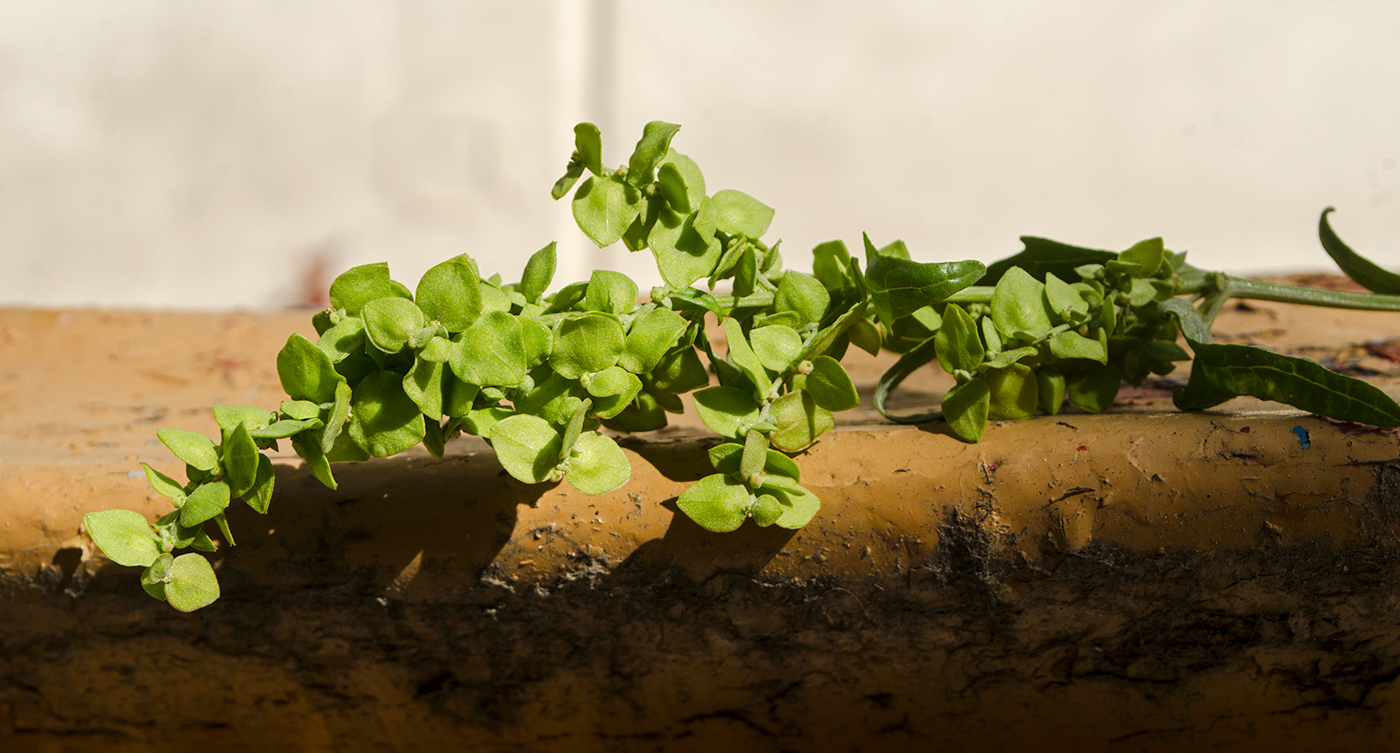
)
(541, 375)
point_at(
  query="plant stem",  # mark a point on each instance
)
(973, 294)
(1244, 287)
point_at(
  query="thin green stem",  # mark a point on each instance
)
(973, 294)
(1244, 287)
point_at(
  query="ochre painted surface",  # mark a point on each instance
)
(1139, 580)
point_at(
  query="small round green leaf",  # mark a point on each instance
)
(653, 333)
(728, 411)
(204, 503)
(585, 343)
(716, 502)
(1019, 308)
(610, 292)
(539, 272)
(800, 421)
(527, 446)
(491, 352)
(191, 583)
(344, 339)
(240, 461)
(164, 485)
(192, 447)
(597, 465)
(390, 322)
(155, 577)
(359, 285)
(604, 207)
(957, 342)
(306, 371)
(383, 420)
(450, 293)
(739, 213)
(1015, 393)
(799, 504)
(124, 536)
(776, 346)
(965, 409)
(803, 294)
(831, 386)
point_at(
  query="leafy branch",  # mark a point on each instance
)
(538, 374)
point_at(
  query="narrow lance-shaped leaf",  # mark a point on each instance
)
(1365, 272)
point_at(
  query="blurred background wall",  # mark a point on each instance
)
(161, 153)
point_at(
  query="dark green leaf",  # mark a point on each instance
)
(1046, 257)
(1365, 272)
(309, 448)
(339, 416)
(1094, 390)
(1053, 388)
(899, 287)
(566, 181)
(680, 371)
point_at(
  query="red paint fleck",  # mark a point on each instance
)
(993, 467)
(1217, 639)
(1083, 447)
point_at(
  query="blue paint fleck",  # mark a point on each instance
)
(1303, 438)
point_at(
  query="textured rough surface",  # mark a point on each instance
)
(1139, 580)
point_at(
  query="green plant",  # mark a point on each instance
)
(1058, 323)
(537, 375)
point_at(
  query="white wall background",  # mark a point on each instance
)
(161, 153)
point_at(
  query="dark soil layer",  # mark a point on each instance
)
(1279, 649)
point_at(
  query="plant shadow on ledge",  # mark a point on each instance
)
(538, 375)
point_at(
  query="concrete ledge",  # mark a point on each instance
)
(1138, 580)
